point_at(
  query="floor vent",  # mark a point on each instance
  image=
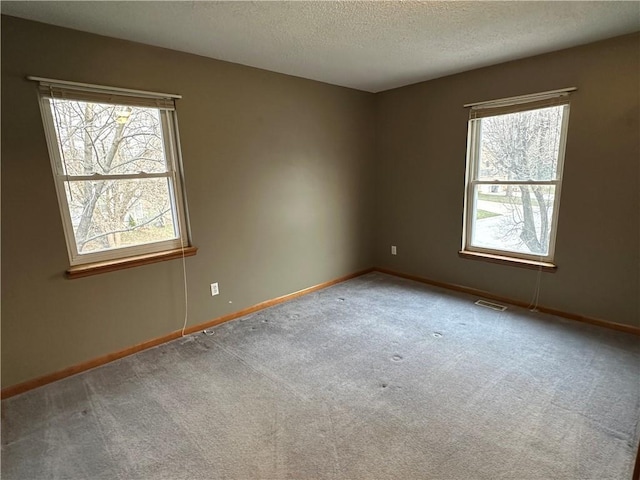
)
(491, 305)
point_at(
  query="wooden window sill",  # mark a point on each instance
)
(129, 262)
(503, 260)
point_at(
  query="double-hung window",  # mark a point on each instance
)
(116, 163)
(515, 154)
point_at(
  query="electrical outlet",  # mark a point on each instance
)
(394, 251)
(214, 289)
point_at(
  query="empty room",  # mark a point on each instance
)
(320, 240)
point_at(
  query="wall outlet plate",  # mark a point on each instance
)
(214, 289)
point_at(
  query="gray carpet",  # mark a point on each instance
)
(374, 378)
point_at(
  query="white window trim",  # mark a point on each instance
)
(517, 104)
(174, 171)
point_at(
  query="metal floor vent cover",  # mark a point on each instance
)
(491, 305)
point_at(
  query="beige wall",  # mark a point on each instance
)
(421, 133)
(278, 175)
(285, 191)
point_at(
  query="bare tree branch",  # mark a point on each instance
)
(123, 230)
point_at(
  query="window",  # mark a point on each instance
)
(115, 160)
(515, 154)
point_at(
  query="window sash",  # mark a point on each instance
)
(471, 218)
(475, 128)
(176, 192)
(168, 126)
(126, 251)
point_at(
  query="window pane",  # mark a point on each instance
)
(108, 139)
(108, 214)
(521, 145)
(515, 218)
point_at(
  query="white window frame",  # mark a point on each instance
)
(49, 89)
(482, 110)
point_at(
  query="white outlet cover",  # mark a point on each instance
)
(214, 289)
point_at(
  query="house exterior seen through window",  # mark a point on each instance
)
(116, 167)
(515, 156)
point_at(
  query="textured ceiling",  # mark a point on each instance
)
(370, 46)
